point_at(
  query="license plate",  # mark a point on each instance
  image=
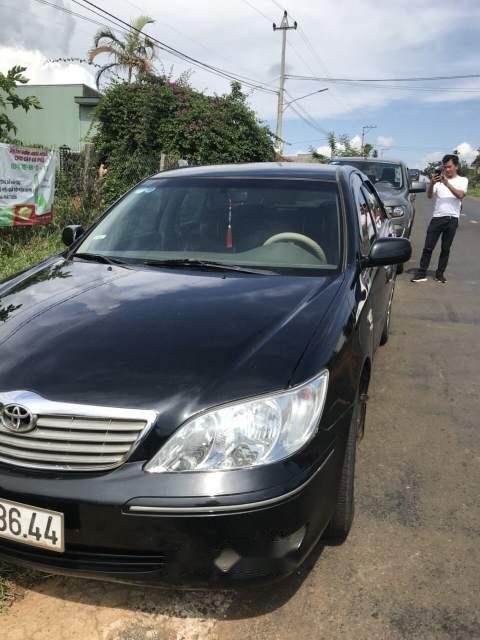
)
(31, 525)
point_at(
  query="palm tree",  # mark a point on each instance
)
(133, 54)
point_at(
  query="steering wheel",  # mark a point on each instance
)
(298, 237)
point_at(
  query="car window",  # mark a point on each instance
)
(376, 208)
(385, 174)
(366, 226)
(273, 223)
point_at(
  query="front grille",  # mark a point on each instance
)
(83, 560)
(87, 438)
(71, 443)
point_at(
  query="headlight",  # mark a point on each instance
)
(246, 434)
(395, 212)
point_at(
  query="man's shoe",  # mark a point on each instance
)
(439, 277)
(419, 278)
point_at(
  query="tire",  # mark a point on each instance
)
(341, 521)
(388, 316)
(400, 268)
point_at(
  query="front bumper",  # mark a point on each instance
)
(116, 528)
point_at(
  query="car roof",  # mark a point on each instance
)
(370, 160)
(261, 170)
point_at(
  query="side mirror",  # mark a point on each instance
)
(71, 234)
(417, 187)
(388, 251)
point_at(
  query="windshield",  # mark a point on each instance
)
(275, 224)
(382, 173)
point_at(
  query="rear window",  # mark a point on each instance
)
(381, 173)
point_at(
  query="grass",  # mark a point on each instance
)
(17, 255)
(7, 586)
(474, 191)
(13, 581)
(23, 247)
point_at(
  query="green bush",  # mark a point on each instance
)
(139, 122)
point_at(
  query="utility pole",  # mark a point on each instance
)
(366, 127)
(284, 27)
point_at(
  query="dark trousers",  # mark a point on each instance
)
(445, 227)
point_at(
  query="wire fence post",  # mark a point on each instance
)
(163, 160)
(89, 153)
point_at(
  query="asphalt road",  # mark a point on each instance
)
(411, 566)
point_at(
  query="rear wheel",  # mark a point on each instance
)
(340, 523)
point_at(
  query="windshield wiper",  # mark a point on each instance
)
(98, 257)
(206, 264)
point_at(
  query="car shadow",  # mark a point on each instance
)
(235, 604)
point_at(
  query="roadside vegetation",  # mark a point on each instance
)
(7, 586)
(146, 120)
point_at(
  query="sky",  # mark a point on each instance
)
(416, 121)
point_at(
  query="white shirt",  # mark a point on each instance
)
(446, 204)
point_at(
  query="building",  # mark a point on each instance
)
(65, 119)
(300, 157)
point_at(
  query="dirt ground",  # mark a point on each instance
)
(411, 566)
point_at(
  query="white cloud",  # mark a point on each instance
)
(232, 36)
(385, 141)
(39, 71)
(324, 150)
(433, 156)
(466, 152)
(356, 142)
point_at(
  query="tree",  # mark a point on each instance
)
(139, 122)
(476, 162)
(367, 150)
(9, 96)
(332, 143)
(319, 157)
(132, 55)
(430, 168)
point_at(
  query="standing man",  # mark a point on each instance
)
(449, 189)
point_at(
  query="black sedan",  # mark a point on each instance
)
(182, 390)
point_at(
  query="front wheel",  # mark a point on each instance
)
(341, 522)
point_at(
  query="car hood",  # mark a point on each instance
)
(392, 197)
(173, 340)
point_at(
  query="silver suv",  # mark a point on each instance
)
(392, 182)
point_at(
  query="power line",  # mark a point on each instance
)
(303, 114)
(201, 44)
(278, 5)
(252, 6)
(180, 54)
(412, 79)
(177, 53)
(310, 46)
(308, 43)
(127, 27)
(299, 56)
(414, 88)
(72, 13)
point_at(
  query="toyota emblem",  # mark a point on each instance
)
(17, 418)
